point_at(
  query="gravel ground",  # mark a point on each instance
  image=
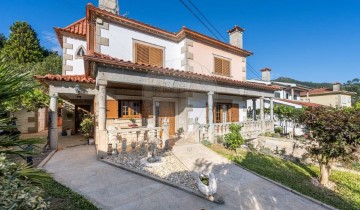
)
(169, 168)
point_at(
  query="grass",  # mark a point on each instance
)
(62, 197)
(297, 176)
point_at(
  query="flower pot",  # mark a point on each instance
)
(91, 141)
(68, 132)
(208, 190)
(132, 125)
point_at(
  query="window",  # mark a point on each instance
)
(277, 95)
(80, 52)
(224, 113)
(146, 54)
(221, 66)
(130, 109)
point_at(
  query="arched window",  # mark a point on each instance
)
(80, 52)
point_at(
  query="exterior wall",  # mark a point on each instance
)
(203, 61)
(26, 121)
(42, 115)
(121, 42)
(330, 100)
(284, 92)
(72, 64)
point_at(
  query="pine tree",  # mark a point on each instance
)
(22, 46)
(2, 40)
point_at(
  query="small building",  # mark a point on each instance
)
(334, 97)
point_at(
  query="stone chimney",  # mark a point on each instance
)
(336, 86)
(236, 36)
(265, 74)
(110, 6)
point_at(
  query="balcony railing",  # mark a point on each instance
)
(249, 130)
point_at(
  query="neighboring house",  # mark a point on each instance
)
(328, 97)
(121, 69)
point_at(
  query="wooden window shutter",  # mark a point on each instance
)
(226, 67)
(156, 56)
(218, 66)
(112, 109)
(234, 113)
(142, 54)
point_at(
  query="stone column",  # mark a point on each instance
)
(292, 94)
(53, 132)
(102, 106)
(165, 134)
(254, 109)
(272, 109)
(262, 114)
(210, 116)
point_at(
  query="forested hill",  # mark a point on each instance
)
(307, 84)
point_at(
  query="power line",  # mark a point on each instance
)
(255, 72)
(207, 20)
(198, 18)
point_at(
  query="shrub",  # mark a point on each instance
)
(87, 126)
(206, 143)
(16, 190)
(234, 139)
(219, 139)
(278, 129)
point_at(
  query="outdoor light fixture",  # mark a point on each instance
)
(77, 89)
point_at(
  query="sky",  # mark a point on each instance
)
(308, 40)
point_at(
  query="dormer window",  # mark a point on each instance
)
(80, 52)
(149, 54)
(222, 66)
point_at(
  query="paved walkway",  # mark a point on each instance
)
(112, 188)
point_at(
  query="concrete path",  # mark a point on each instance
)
(239, 188)
(113, 188)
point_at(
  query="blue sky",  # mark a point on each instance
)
(310, 40)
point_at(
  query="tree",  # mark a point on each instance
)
(2, 40)
(22, 46)
(335, 136)
(52, 64)
(289, 114)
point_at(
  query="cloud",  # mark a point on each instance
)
(50, 41)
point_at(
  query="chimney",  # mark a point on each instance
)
(336, 86)
(265, 74)
(110, 6)
(236, 36)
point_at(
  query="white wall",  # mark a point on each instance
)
(76, 63)
(121, 45)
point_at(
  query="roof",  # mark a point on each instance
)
(78, 29)
(66, 78)
(302, 103)
(326, 91)
(106, 59)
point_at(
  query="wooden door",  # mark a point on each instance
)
(167, 110)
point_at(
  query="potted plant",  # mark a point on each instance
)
(133, 123)
(206, 183)
(87, 128)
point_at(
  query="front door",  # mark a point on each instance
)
(167, 110)
(80, 111)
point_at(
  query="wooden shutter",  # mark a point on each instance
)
(226, 67)
(112, 109)
(234, 112)
(156, 57)
(218, 66)
(142, 54)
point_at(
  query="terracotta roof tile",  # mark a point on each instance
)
(322, 91)
(67, 78)
(302, 103)
(78, 28)
(106, 59)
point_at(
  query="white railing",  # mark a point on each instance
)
(137, 134)
(249, 130)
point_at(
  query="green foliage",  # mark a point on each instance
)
(278, 129)
(87, 126)
(2, 41)
(51, 64)
(298, 176)
(17, 190)
(234, 139)
(219, 139)
(306, 84)
(22, 46)
(31, 100)
(206, 143)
